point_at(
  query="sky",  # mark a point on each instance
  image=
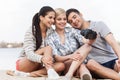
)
(16, 15)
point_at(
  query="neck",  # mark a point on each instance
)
(43, 28)
(61, 35)
(85, 25)
(60, 31)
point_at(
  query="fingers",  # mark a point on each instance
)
(47, 61)
(77, 58)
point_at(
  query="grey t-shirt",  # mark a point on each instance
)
(105, 52)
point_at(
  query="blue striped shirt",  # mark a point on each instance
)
(73, 40)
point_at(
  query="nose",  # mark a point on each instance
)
(73, 21)
(52, 20)
(63, 21)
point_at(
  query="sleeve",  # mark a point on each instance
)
(77, 35)
(50, 42)
(29, 47)
(103, 29)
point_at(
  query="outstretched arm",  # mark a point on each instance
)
(111, 40)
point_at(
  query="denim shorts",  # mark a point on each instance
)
(109, 64)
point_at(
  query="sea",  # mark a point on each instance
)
(8, 57)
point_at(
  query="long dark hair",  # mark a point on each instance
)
(36, 30)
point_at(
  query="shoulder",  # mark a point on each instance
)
(68, 28)
(50, 31)
(28, 31)
(51, 34)
(29, 34)
(98, 24)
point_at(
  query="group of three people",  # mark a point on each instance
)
(61, 49)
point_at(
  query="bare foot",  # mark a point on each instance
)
(10, 72)
(35, 74)
(17, 73)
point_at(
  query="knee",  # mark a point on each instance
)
(82, 66)
(60, 67)
(92, 65)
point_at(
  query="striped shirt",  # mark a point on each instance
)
(73, 40)
(29, 46)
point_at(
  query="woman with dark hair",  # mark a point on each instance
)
(31, 58)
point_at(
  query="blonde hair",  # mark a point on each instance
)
(59, 11)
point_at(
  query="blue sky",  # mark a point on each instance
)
(16, 15)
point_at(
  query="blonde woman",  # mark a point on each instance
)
(65, 42)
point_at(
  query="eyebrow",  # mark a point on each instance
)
(69, 21)
(73, 15)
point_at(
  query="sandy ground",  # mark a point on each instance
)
(4, 76)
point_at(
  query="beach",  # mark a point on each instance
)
(8, 57)
(4, 76)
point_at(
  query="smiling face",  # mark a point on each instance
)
(60, 21)
(75, 20)
(48, 19)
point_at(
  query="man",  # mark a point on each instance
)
(102, 59)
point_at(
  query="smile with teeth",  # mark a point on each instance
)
(62, 24)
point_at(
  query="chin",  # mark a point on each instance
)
(49, 26)
(76, 27)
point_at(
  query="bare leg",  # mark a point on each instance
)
(84, 73)
(28, 66)
(84, 50)
(25, 67)
(102, 71)
(41, 72)
(117, 66)
(48, 62)
(58, 66)
(67, 65)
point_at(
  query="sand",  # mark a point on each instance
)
(4, 76)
